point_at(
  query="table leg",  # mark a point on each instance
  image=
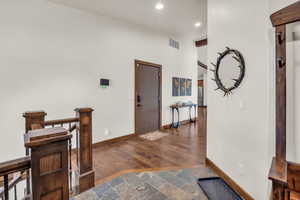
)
(190, 112)
(195, 108)
(178, 122)
(172, 125)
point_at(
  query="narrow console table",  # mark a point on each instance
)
(177, 108)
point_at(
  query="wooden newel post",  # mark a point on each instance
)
(86, 172)
(34, 119)
(49, 163)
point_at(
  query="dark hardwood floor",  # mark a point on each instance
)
(185, 147)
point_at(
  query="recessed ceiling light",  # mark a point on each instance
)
(198, 24)
(159, 6)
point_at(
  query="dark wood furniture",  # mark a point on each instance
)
(285, 175)
(176, 108)
(49, 163)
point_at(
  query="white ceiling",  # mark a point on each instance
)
(177, 18)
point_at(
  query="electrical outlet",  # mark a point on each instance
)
(241, 169)
(106, 132)
(241, 165)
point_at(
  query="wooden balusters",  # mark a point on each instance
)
(6, 192)
(7, 169)
(72, 128)
(86, 172)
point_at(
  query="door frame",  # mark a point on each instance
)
(149, 64)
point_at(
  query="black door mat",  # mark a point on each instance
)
(216, 188)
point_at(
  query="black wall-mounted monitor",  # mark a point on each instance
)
(104, 82)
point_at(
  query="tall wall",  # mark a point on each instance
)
(52, 58)
(238, 125)
(241, 127)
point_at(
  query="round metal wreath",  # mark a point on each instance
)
(240, 59)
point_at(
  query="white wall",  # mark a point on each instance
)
(293, 91)
(293, 94)
(238, 125)
(52, 58)
(241, 128)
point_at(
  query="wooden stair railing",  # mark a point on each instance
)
(48, 162)
(46, 167)
(82, 125)
(285, 176)
(8, 170)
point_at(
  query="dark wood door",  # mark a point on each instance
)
(147, 100)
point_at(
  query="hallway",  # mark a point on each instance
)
(182, 148)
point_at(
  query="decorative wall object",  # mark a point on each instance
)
(176, 87)
(229, 71)
(188, 85)
(182, 86)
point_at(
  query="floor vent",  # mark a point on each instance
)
(216, 188)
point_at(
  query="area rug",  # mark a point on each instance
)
(156, 135)
(216, 188)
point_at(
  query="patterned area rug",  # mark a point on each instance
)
(156, 135)
(161, 185)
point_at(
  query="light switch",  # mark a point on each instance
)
(106, 132)
(241, 105)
